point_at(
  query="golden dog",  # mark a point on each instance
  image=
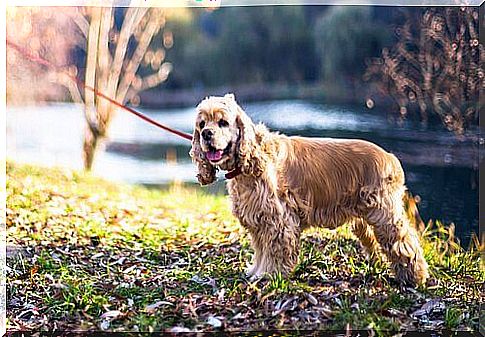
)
(282, 185)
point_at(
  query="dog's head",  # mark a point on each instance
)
(224, 138)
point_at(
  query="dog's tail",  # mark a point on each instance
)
(411, 206)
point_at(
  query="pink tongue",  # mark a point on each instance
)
(214, 155)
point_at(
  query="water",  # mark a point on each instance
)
(440, 168)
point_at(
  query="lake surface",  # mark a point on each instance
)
(439, 167)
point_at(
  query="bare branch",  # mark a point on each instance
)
(437, 66)
(71, 85)
(104, 59)
(121, 46)
(153, 80)
(150, 29)
(80, 21)
(90, 80)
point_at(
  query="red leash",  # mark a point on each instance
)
(48, 64)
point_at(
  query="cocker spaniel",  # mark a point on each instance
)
(281, 185)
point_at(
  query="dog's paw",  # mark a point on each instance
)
(254, 273)
(255, 278)
(251, 270)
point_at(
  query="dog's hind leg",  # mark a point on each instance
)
(398, 239)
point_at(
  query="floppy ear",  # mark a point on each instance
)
(250, 154)
(207, 172)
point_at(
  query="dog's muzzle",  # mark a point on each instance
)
(214, 155)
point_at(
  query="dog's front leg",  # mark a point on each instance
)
(253, 269)
(276, 248)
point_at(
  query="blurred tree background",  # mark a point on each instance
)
(419, 62)
(244, 46)
(342, 51)
(347, 54)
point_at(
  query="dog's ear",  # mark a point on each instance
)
(207, 172)
(249, 149)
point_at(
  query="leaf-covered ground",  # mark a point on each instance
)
(87, 254)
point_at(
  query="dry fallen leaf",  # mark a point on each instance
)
(176, 329)
(111, 315)
(104, 325)
(214, 321)
(429, 307)
(151, 308)
(312, 299)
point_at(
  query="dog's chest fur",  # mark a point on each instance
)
(256, 201)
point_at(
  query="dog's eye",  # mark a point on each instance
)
(201, 124)
(222, 123)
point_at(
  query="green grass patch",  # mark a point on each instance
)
(87, 254)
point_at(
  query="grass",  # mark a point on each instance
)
(87, 254)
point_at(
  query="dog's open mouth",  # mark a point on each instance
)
(214, 155)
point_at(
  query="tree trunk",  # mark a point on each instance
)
(90, 145)
(104, 71)
(91, 132)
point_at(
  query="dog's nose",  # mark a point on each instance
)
(207, 134)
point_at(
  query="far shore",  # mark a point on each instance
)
(325, 92)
